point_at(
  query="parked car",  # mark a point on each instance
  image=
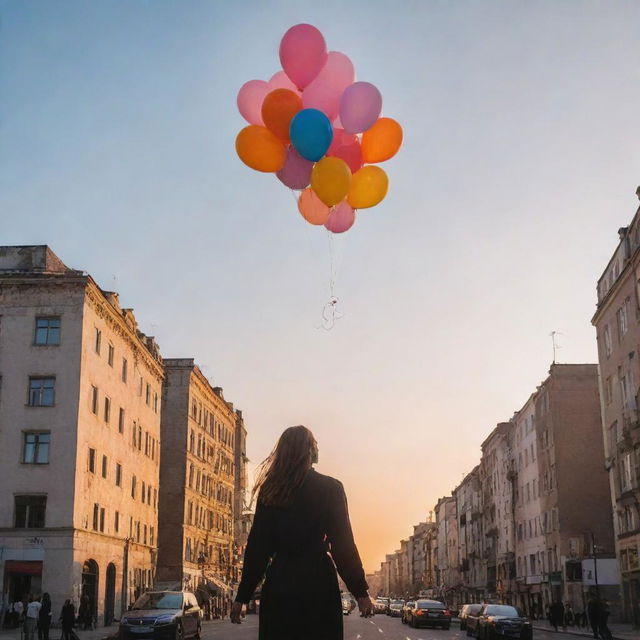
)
(395, 608)
(429, 613)
(405, 611)
(162, 615)
(468, 609)
(502, 621)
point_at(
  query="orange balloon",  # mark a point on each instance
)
(259, 149)
(381, 141)
(278, 110)
(313, 210)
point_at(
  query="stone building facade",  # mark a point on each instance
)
(197, 477)
(79, 437)
(617, 323)
(471, 539)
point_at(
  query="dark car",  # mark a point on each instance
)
(404, 614)
(162, 615)
(429, 613)
(395, 608)
(502, 621)
(468, 610)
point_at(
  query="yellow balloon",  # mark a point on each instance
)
(330, 179)
(259, 149)
(368, 187)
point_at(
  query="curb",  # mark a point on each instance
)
(583, 634)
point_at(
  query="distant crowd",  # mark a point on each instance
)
(34, 614)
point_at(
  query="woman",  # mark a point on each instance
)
(300, 516)
(44, 617)
(67, 618)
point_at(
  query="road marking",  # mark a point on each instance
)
(380, 630)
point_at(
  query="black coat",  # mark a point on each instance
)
(300, 599)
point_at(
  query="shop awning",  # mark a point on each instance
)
(24, 567)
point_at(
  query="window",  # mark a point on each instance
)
(133, 487)
(98, 340)
(96, 516)
(116, 521)
(123, 375)
(621, 317)
(105, 466)
(608, 346)
(121, 421)
(107, 409)
(29, 512)
(110, 355)
(47, 331)
(118, 474)
(42, 392)
(155, 402)
(626, 472)
(148, 395)
(608, 391)
(102, 514)
(92, 460)
(36, 448)
(143, 493)
(94, 400)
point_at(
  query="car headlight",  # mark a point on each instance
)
(165, 618)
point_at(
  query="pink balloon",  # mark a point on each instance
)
(360, 107)
(351, 153)
(325, 91)
(250, 99)
(303, 53)
(341, 219)
(340, 137)
(296, 173)
(280, 80)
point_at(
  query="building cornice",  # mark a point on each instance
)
(105, 310)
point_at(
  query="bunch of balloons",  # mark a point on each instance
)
(318, 130)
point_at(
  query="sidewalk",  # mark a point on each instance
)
(618, 631)
(101, 633)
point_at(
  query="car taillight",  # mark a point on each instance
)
(447, 612)
(419, 612)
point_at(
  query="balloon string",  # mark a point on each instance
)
(330, 313)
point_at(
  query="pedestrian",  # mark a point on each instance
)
(301, 516)
(18, 613)
(593, 611)
(556, 613)
(568, 615)
(67, 619)
(44, 617)
(604, 612)
(85, 613)
(31, 618)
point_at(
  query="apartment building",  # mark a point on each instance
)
(496, 473)
(471, 539)
(198, 477)
(79, 437)
(617, 323)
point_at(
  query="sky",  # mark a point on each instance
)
(519, 164)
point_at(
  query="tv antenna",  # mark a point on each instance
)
(555, 344)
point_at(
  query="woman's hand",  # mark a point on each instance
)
(236, 613)
(366, 606)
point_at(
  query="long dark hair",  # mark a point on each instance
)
(283, 471)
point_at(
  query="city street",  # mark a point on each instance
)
(355, 628)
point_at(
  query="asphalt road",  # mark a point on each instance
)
(379, 627)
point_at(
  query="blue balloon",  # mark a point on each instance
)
(311, 134)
